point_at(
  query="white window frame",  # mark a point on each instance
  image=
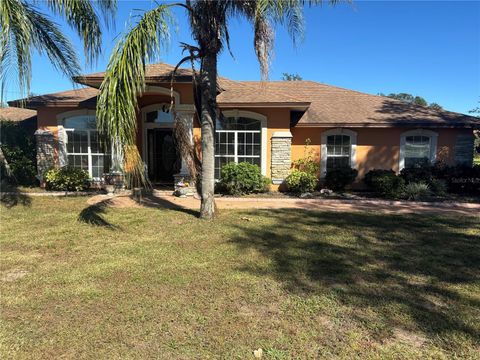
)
(61, 118)
(323, 151)
(418, 132)
(262, 131)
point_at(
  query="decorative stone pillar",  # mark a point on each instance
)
(464, 149)
(45, 145)
(281, 155)
(184, 126)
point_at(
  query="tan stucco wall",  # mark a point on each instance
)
(376, 147)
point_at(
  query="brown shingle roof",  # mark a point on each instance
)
(84, 96)
(326, 105)
(335, 106)
(16, 114)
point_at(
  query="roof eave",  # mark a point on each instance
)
(390, 125)
(296, 105)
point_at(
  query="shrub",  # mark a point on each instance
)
(384, 182)
(308, 163)
(66, 178)
(416, 191)
(301, 182)
(418, 174)
(338, 179)
(18, 146)
(438, 186)
(242, 178)
(463, 179)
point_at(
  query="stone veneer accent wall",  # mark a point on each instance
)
(45, 152)
(464, 149)
(281, 152)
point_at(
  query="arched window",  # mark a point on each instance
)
(83, 148)
(417, 148)
(237, 139)
(338, 149)
(162, 115)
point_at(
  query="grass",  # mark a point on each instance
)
(81, 282)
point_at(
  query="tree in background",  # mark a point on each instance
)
(209, 23)
(411, 99)
(291, 77)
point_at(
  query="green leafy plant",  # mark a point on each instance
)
(308, 163)
(18, 147)
(416, 191)
(423, 173)
(438, 187)
(66, 178)
(242, 178)
(384, 182)
(301, 182)
(338, 179)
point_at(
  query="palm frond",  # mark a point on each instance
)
(125, 80)
(81, 15)
(24, 28)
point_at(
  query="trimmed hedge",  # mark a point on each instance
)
(242, 178)
(339, 179)
(299, 182)
(67, 178)
(384, 183)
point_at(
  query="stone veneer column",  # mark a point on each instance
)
(464, 149)
(281, 152)
(45, 145)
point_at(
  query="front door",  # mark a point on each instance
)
(162, 157)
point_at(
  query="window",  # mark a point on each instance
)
(417, 148)
(161, 116)
(417, 151)
(338, 149)
(83, 146)
(237, 139)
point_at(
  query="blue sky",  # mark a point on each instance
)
(427, 48)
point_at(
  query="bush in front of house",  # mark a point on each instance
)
(338, 179)
(460, 179)
(299, 182)
(67, 178)
(384, 182)
(418, 174)
(416, 191)
(242, 178)
(18, 147)
(463, 179)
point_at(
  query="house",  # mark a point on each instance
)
(266, 123)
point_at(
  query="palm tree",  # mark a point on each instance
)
(24, 28)
(209, 22)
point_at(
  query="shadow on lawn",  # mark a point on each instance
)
(379, 262)
(11, 196)
(93, 215)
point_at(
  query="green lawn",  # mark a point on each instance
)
(153, 283)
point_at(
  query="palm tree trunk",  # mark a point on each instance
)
(208, 88)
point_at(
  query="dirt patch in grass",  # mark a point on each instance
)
(14, 275)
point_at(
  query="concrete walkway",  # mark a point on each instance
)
(166, 200)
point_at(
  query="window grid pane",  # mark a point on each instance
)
(417, 150)
(237, 145)
(338, 151)
(83, 144)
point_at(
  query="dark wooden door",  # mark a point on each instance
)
(163, 160)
